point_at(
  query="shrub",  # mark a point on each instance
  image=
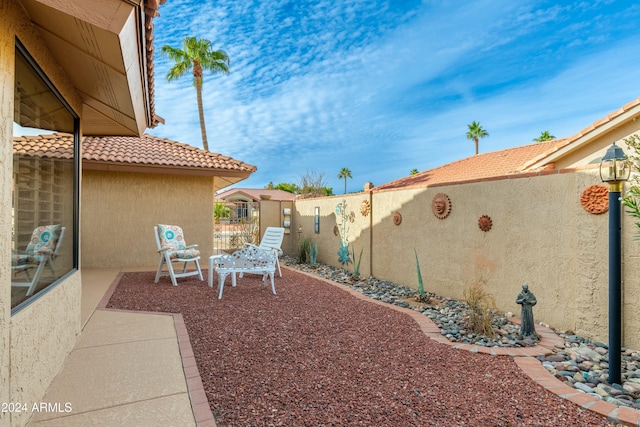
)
(304, 248)
(481, 305)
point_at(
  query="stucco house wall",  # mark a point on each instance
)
(149, 199)
(34, 342)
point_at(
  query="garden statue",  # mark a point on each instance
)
(527, 300)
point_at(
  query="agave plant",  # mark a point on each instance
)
(356, 265)
(422, 296)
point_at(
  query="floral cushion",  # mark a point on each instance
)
(184, 254)
(44, 239)
(171, 236)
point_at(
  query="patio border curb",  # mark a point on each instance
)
(195, 388)
(524, 357)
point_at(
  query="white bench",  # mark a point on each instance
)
(247, 260)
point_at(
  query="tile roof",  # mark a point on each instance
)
(500, 164)
(481, 166)
(146, 150)
(255, 193)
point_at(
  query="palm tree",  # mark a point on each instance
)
(345, 173)
(476, 132)
(196, 56)
(544, 136)
(414, 171)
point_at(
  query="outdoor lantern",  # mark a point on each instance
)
(615, 166)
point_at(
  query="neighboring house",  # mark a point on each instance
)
(130, 184)
(261, 207)
(254, 195)
(77, 67)
(243, 201)
(534, 214)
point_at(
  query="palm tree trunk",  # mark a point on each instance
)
(476, 141)
(203, 130)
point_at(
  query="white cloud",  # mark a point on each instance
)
(383, 87)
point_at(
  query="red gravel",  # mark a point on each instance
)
(314, 355)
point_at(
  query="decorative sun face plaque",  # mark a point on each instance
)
(595, 199)
(441, 205)
(397, 218)
(485, 223)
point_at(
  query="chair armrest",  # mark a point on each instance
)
(278, 251)
(192, 246)
(164, 249)
(44, 251)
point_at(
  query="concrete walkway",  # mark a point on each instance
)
(127, 368)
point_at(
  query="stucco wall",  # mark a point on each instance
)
(34, 342)
(358, 231)
(541, 235)
(272, 215)
(119, 210)
(41, 338)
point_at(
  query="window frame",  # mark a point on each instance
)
(21, 49)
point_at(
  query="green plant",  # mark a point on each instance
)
(313, 253)
(356, 264)
(631, 200)
(220, 210)
(422, 296)
(481, 306)
(304, 250)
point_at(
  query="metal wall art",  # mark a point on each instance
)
(485, 223)
(342, 217)
(441, 205)
(365, 207)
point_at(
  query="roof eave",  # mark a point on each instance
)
(629, 112)
(163, 169)
(106, 49)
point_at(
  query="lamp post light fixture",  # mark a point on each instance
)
(615, 169)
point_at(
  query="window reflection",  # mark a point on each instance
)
(45, 134)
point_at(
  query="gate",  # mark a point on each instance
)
(236, 223)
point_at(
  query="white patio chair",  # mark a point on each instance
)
(172, 248)
(250, 260)
(272, 241)
(41, 251)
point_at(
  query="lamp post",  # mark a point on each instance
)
(615, 169)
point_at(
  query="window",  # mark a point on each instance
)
(316, 220)
(45, 184)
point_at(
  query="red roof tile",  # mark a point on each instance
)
(146, 150)
(480, 166)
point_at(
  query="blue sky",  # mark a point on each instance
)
(383, 87)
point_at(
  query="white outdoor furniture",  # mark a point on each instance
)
(250, 259)
(172, 248)
(271, 241)
(41, 251)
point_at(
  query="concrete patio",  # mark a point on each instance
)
(126, 369)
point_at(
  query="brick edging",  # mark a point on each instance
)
(524, 357)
